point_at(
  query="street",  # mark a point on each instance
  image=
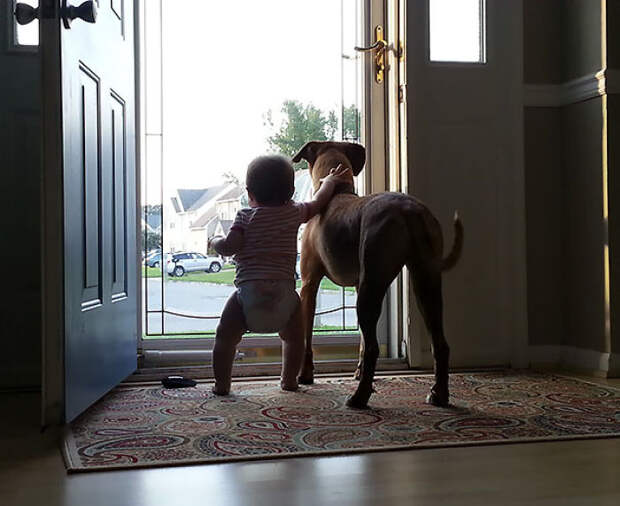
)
(208, 299)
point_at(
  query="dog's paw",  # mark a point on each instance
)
(305, 379)
(439, 399)
(358, 401)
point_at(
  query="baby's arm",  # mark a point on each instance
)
(326, 191)
(229, 245)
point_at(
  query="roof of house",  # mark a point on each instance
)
(189, 197)
(226, 224)
(211, 212)
(175, 204)
(203, 220)
(212, 226)
(153, 220)
(207, 195)
(233, 193)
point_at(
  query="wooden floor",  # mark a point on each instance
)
(584, 473)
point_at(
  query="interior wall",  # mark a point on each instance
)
(613, 171)
(564, 166)
(581, 44)
(545, 216)
(584, 227)
(20, 313)
(613, 33)
(542, 41)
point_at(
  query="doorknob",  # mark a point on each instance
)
(379, 47)
(86, 11)
(25, 13)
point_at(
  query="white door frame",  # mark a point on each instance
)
(374, 137)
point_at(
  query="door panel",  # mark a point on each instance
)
(95, 105)
(465, 154)
(119, 198)
(83, 227)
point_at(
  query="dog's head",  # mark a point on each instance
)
(325, 155)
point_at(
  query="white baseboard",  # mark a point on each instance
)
(571, 357)
(614, 366)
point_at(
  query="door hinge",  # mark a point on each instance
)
(402, 93)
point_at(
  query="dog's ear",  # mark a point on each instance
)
(356, 153)
(307, 152)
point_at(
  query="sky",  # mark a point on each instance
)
(226, 63)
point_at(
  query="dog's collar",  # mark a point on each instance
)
(345, 188)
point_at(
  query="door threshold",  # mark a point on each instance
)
(261, 371)
(271, 371)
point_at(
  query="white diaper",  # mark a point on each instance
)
(267, 304)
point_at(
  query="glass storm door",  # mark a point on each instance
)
(282, 81)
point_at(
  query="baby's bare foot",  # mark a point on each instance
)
(219, 391)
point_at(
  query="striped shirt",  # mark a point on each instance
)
(269, 248)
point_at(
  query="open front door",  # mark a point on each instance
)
(89, 202)
(465, 150)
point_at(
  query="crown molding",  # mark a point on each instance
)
(603, 82)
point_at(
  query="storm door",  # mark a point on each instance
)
(213, 98)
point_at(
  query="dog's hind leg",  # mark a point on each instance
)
(427, 286)
(369, 299)
(379, 265)
(358, 372)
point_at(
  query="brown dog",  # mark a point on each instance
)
(365, 242)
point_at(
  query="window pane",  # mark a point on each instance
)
(457, 30)
(28, 35)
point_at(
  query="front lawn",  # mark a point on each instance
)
(331, 329)
(225, 277)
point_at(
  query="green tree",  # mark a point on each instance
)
(152, 209)
(150, 240)
(351, 120)
(301, 123)
(230, 177)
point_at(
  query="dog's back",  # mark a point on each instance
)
(351, 223)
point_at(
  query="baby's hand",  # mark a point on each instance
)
(212, 240)
(338, 174)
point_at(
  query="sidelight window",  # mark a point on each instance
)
(457, 31)
(24, 36)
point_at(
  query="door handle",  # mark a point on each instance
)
(379, 48)
(86, 11)
(25, 13)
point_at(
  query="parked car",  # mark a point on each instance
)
(153, 259)
(180, 263)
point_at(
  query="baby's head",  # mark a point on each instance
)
(270, 180)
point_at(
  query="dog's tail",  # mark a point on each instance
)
(455, 253)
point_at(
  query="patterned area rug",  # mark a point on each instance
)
(152, 426)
